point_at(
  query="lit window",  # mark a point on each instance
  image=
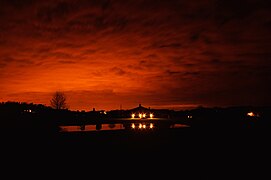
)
(144, 115)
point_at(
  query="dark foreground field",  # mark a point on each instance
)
(169, 140)
(179, 141)
(171, 153)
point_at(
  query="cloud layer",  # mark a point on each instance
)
(159, 53)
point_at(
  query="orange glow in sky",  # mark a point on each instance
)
(109, 54)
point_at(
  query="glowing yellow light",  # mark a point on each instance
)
(144, 126)
(133, 126)
(140, 126)
(144, 115)
(133, 115)
(251, 114)
(140, 115)
(151, 126)
(151, 115)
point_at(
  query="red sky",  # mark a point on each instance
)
(160, 53)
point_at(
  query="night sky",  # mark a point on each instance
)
(160, 53)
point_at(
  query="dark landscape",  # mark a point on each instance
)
(208, 127)
(114, 84)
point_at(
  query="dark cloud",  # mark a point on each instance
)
(2, 65)
(172, 73)
(192, 73)
(118, 71)
(16, 3)
(172, 45)
(190, 53)
(226, 11)
(59, 10)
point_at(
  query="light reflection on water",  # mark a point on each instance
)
(104, 127)
(179, 126)
(92, 127)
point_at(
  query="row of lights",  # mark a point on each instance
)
(142, 115)
(142, 126)
(28, 110)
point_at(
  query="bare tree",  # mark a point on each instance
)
(59, 100)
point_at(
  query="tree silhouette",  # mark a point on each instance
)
(59, 100)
